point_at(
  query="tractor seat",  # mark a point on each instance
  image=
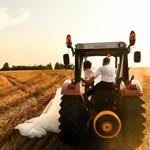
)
(105, 85)
(103, 96)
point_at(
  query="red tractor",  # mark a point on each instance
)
(100, 112)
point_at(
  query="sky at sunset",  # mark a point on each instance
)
(34, 31)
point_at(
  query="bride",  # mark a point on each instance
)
(47, 121)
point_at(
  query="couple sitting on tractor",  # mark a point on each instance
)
(104, 89)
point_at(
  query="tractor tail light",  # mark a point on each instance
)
(132, 87)
(71, 86)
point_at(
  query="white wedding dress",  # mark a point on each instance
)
(47, 121)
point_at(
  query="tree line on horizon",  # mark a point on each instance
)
(57, 66)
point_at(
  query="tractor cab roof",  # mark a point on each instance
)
(101, 49)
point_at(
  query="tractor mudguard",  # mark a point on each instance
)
(133, 89)
(70, 88)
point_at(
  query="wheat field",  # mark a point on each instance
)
(24, 95)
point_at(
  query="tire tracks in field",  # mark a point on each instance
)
(25, 86)
(18, 84)
(27, 89)
(35, 94)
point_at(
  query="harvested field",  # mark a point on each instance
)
(24, 95)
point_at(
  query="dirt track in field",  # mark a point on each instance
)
(24, 95)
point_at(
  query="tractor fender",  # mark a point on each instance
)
(70, 88)
(133, 89)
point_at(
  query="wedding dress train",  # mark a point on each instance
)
(47, 121)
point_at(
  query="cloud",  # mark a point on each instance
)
(13, 17)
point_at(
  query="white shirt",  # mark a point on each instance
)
(107, 73)
(87, 74)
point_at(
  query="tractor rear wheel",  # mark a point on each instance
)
(72, 118)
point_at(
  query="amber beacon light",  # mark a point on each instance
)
(132, 38)
(68, 41)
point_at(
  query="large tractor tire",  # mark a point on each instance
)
(133, 118)
(72, 118)
(107, 124)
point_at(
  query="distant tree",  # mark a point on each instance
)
(40, 67)
(61, 66)
(13, 67)
(35, 67)
(6, 66)
(58, 66)
(49, 66)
